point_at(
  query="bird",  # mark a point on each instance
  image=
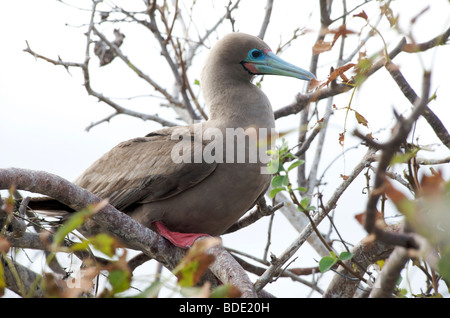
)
(183, 199)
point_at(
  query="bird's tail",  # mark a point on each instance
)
(45, 212)
(49, 206)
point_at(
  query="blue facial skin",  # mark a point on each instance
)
(266, 62)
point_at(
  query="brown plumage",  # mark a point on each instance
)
(140, 178)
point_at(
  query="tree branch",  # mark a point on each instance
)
(253, 216)
(365, 253)
(401, 132)
(135, 69)
(307, 231)
(433, 120)
(87, 83)
(132, 233)
(441, 39)
(153, 26)
(27, 284)
(303, 100)
(265, 24)
(387, 280)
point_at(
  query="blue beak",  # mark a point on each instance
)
(266, 62)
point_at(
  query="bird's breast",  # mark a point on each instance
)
(211, 206)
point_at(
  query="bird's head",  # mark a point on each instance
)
(242, 55)
(265, 62)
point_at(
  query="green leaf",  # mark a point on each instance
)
(296, 164)
(2, 280)
(196, 82)
(195, 262)
(300, 189)
(344, 256)
(225, 291)
(279, 181)
(288, 155)
(305, 202)
(274, 166)
(364, 65)
(434, 96)
(151, 291)
(401, 293)
(284, 147)
(105, 243)
(404, 157)
(274, 191)
(399, 281)
(81, 246)
(119, 280)
(187, 274)
(326, 263)
(444, 266)
(75, 221)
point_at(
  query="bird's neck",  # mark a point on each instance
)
(238, 104)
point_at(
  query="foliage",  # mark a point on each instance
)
(327, 262)
(191, 269)
(280, 182)
(349, 44)
(427, 214)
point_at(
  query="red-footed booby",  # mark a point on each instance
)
(180, 199)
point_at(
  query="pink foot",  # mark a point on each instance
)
(183, 240)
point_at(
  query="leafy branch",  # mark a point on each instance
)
(280, 182)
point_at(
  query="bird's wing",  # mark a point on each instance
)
(144, 168)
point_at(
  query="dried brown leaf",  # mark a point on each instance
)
(361, 120)
(341, 138)
(313, 84)
(4, 245)
(196, 262)
(395, 195)
(432, 186)
(362, 14)
(322, 46)
(339, 72)
(361, 217)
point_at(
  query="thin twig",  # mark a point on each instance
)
(153, 26)
(252, 217)
(433, 120)
(402, 130)
(320, 215)
(265, 24)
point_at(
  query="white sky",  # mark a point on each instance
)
(44, 111)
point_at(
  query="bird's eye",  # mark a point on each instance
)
(255, 53)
